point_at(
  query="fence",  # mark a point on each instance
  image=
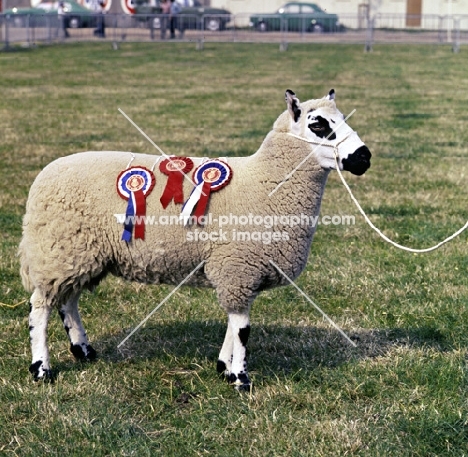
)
(30, 29)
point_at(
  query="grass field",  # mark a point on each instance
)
(401, 392)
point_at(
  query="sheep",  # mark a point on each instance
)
(71, 239)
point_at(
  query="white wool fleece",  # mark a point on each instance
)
(71, 238)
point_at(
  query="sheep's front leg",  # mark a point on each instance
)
(79, 345)
(38, 319)
(232, 358)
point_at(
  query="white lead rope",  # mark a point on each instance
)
(358, 206)
(386, 238)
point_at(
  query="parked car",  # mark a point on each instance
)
(297, 17)
(76, 16)
(195, 16)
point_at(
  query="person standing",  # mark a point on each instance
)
(100, 30)
(62, 19)
(176, 21)
(165, 14)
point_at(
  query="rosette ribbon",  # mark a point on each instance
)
(210, 176)
(175, 168)
(134, 185)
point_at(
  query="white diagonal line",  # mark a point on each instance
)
(155, 145)
(144, 134)
(312, 303)
(162, 303)
(322, 143)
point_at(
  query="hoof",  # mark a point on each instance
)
(243, 387)
(40, 373)
(241, 382)
(221, 368)
(92, 354)
(83, 352)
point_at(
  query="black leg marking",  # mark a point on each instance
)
(34, 370)
(83, 352)
(66, 327)
(221, 367)
(77, 351)
(244, 383)
(92, 355)
(79, 346)
(244, 335)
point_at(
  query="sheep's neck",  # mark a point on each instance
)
(302, 192)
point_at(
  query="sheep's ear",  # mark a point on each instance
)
(294, 105)
(331, 95)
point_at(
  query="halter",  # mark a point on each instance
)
(323, 143)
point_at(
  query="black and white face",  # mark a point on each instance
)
(325, 128)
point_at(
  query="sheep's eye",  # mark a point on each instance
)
(316, 128)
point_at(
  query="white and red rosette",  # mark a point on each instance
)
(134, 185)
(210, 176)
(175, 168)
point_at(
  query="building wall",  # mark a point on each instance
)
(8, 4)
(340, 7)
(248, 6)
(445, 7)
(439, 7)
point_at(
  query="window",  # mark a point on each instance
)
(292, 9)
(308, 9)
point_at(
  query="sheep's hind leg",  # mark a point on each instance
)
(38, 319)
(225, 356)
(79, 345)
(232, 358)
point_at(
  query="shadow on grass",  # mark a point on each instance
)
(272, 349)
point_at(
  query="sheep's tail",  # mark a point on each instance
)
(24, 270)
(26, 280)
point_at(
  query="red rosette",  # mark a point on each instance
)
(175, 168)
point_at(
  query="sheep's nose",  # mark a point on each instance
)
(363, 153)
(358, 162)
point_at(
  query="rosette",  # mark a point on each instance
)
(175, 168)
(210, 176)
(134, 185)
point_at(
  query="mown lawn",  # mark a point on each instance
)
(401, 392)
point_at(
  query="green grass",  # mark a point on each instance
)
(401, 392)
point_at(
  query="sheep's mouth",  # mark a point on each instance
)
(358, 162)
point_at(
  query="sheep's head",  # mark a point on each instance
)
(321, 124)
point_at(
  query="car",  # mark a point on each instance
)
(45, 14)
(297, 17)
(195, 15)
